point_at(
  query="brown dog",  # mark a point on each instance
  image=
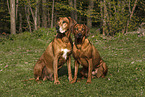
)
(57, 53)
(87, 55)
(45, 75)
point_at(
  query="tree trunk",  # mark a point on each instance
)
(52, 14)
(101, 24)
(75, 12)
(31, 9)
(89, 13)
(36, 16)
(105, 30)
(44, 12)
(28, 18)
(12, 16)
(17, 9)
(131, 14)
(38, 20)
(8, 6)
(109, 16)
(71, 5)
(20, 22)
(48, 18)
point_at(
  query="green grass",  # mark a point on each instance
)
(124, 55)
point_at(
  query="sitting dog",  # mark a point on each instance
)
(87, 55)
(57, 53)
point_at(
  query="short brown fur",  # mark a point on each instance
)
(57, 53)
(87, 55)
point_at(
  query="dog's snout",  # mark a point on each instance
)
(79, 34)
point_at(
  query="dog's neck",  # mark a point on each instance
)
(79, 42)
(64, 36)
(60, 35)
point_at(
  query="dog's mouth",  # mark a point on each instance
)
(61, 30)
(78, 39)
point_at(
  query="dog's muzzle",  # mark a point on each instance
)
(60, 30)
(79, 35)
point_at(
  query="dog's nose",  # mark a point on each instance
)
(79, 34)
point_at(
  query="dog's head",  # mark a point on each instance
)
(80, 31)
(64, 24)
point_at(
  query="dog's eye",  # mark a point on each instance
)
(76, 29)
(64, 22)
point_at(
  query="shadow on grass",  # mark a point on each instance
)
(64, 71)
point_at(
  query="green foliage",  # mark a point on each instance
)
(116, 20)
(44, 33)
(94, 35)
(119, 35)
(117, 16)
(41, 33)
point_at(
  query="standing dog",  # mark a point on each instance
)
(87, 55)
(57, 53)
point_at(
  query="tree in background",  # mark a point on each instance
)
(12, 15)
(52, 15)
(111, 16)
(71, 6)
(89, 13)
(44, 14)
(35, 12)
(75, 11)
(117, 15)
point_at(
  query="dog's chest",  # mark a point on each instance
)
(65, 53)
(81, 55)
(78, 53)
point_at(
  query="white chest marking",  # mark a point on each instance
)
(61, 30)
(65, 51)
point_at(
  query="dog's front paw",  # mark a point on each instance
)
(44, 79)
(56, 82)
(70, 79)
(73, 81)
(88, 82)
(37, 79)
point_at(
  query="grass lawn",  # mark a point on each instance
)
(124, 55)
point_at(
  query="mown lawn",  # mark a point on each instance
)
(124, 55)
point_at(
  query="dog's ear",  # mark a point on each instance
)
(73, 28)
(72, 22)
(87, 31)
(58, 18)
